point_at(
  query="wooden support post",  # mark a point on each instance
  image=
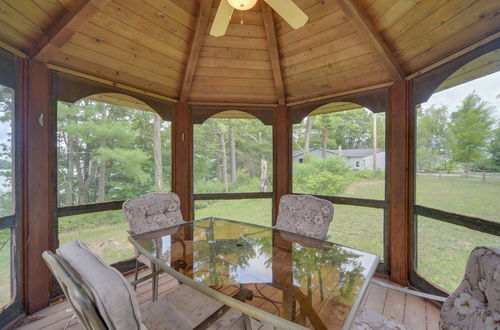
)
(282, 155)
(36, 191)
(182, 158)
(398, 183)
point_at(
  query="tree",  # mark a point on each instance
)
(432, 136)
(109, 152)
(307, 140)
(494, 149)
(470, 128)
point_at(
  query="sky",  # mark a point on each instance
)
(487, 87)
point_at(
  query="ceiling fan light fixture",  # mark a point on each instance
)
(242, 4)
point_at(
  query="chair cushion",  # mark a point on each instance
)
(152, 211)
(304, 214)
(111, 293)
(370, 320)
(475, 304)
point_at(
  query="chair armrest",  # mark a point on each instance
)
(408, 291)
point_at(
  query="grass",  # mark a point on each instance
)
(442, 248)
(5, 271)
(108, 241)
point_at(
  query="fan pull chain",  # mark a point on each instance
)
(241, 20)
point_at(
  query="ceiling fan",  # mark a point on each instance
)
(287, 9)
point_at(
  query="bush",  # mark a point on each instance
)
(322, 177)
(369, 174)
(90, 220)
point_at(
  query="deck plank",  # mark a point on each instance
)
(414, 313)
(411, 311)
(432, 316)
(395, 306)
(376, 297)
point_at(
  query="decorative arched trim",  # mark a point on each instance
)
(425, 84)
(374, 100)
(71, 89)
(200, 113)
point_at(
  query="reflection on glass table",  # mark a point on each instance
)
(308, 282)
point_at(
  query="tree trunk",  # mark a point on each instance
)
(157, 153)
(222, 141)
(71, 175)
(233, 155)
(101, 180)
(324, 136)
(83, 194)
(374, 141)
(263, 175)
(307, 141)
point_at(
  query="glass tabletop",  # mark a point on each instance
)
(313, 283)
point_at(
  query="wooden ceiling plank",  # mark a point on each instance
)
(272, 45)
(453, 56)
(63, 29)
(367, 30)
(194, 53)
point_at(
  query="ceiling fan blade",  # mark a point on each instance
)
(290, 12)
(222, 19)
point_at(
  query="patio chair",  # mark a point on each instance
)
(103, 299)
(475, 304)
(147, 213)
(305, 214)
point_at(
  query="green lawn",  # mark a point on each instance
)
(4, 270)
(442, 248)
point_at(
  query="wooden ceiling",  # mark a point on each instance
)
(163, 46)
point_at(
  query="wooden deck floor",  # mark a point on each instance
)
(413, 312)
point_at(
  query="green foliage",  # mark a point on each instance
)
(351, 129)
(470, 129)
(369, 174)
(110, 144)
(494, 150)
(89, 221)
(253, 143)
(323, 177)
(432, 136)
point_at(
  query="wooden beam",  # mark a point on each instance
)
(234, 104)
(182, 158)
(349, 92)
(398, 186)
(37, 189)
(110, 82)
(64, 28)
(196, 43)
(365, 29)
(282, 155)
(272, 45)
(13, 50)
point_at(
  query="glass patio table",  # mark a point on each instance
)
(280, 278)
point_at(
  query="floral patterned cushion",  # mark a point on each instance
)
(475, 304)
(153, 211)
(304, 214)
(370, 320)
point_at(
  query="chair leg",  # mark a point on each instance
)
(154, 282)
(136, 274)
